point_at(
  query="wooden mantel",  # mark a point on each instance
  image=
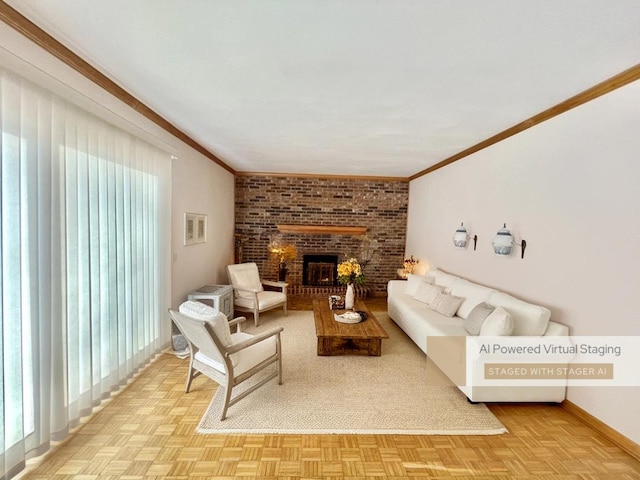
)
(322, 229)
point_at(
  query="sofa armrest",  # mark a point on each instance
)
(555, 329)
(395, 287)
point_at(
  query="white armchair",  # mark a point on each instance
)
(249, 293)
(228, 359)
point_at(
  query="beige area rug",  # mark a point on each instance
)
(391, 394)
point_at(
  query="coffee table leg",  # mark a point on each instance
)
(375, 347)
(324, 347)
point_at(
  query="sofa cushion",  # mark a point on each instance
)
(473, 322)
(445, 279)
(431, 273)
(528, 319)
(419, 321)
(498, 324)
(413, 282)
(446, 304)
(472, 293)
(427, 293)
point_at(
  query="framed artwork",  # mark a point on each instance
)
(195, 228)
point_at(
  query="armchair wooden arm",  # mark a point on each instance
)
(282, 285)
(243, 289)
(237, 321)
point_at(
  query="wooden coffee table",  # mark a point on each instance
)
(335, 338)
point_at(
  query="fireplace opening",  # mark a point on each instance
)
(319, 270)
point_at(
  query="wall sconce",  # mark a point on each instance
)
(503, 243)
(461, 237)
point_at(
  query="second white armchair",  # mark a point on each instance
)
(249, 293)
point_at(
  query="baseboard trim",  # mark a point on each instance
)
(612, 435)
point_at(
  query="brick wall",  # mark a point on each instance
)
(263, 202)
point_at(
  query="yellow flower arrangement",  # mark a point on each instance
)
(350, 271)
(284, 252)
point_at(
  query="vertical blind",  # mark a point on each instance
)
(84, 264)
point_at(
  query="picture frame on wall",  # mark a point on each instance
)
(195, 228)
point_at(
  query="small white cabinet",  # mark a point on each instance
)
(220, 297)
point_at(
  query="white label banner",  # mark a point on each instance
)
(553, 361)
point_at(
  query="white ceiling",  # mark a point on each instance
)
(348, 87)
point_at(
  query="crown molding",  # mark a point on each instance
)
(30, 30)
(323, 176)
(630, 75)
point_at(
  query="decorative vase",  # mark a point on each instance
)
(282, 272)
(349, 297)
(461, 237)
(503, 242)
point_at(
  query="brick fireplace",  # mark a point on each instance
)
(327, 217)
(319, 270)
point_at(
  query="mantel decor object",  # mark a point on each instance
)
(283, 252)
(408, 266)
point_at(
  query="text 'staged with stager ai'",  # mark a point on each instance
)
(551, 361)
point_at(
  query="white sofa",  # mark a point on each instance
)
(409, 307)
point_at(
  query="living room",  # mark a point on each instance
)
(568, 185)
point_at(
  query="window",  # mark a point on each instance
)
(83, 258)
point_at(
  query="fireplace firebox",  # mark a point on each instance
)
(319, 270)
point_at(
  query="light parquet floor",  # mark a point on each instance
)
(148, 432)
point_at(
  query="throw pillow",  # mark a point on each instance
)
(446, 304)
(528, 319)
(472, 293)
(476, 317)
(205, 313)
(427, 293)
(498, 324)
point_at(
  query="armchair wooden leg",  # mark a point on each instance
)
(227, 398)
(190, 375)
(256, 317)
(279, 364)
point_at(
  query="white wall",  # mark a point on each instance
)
(201, 187)
(571, 188)
(198, 186)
